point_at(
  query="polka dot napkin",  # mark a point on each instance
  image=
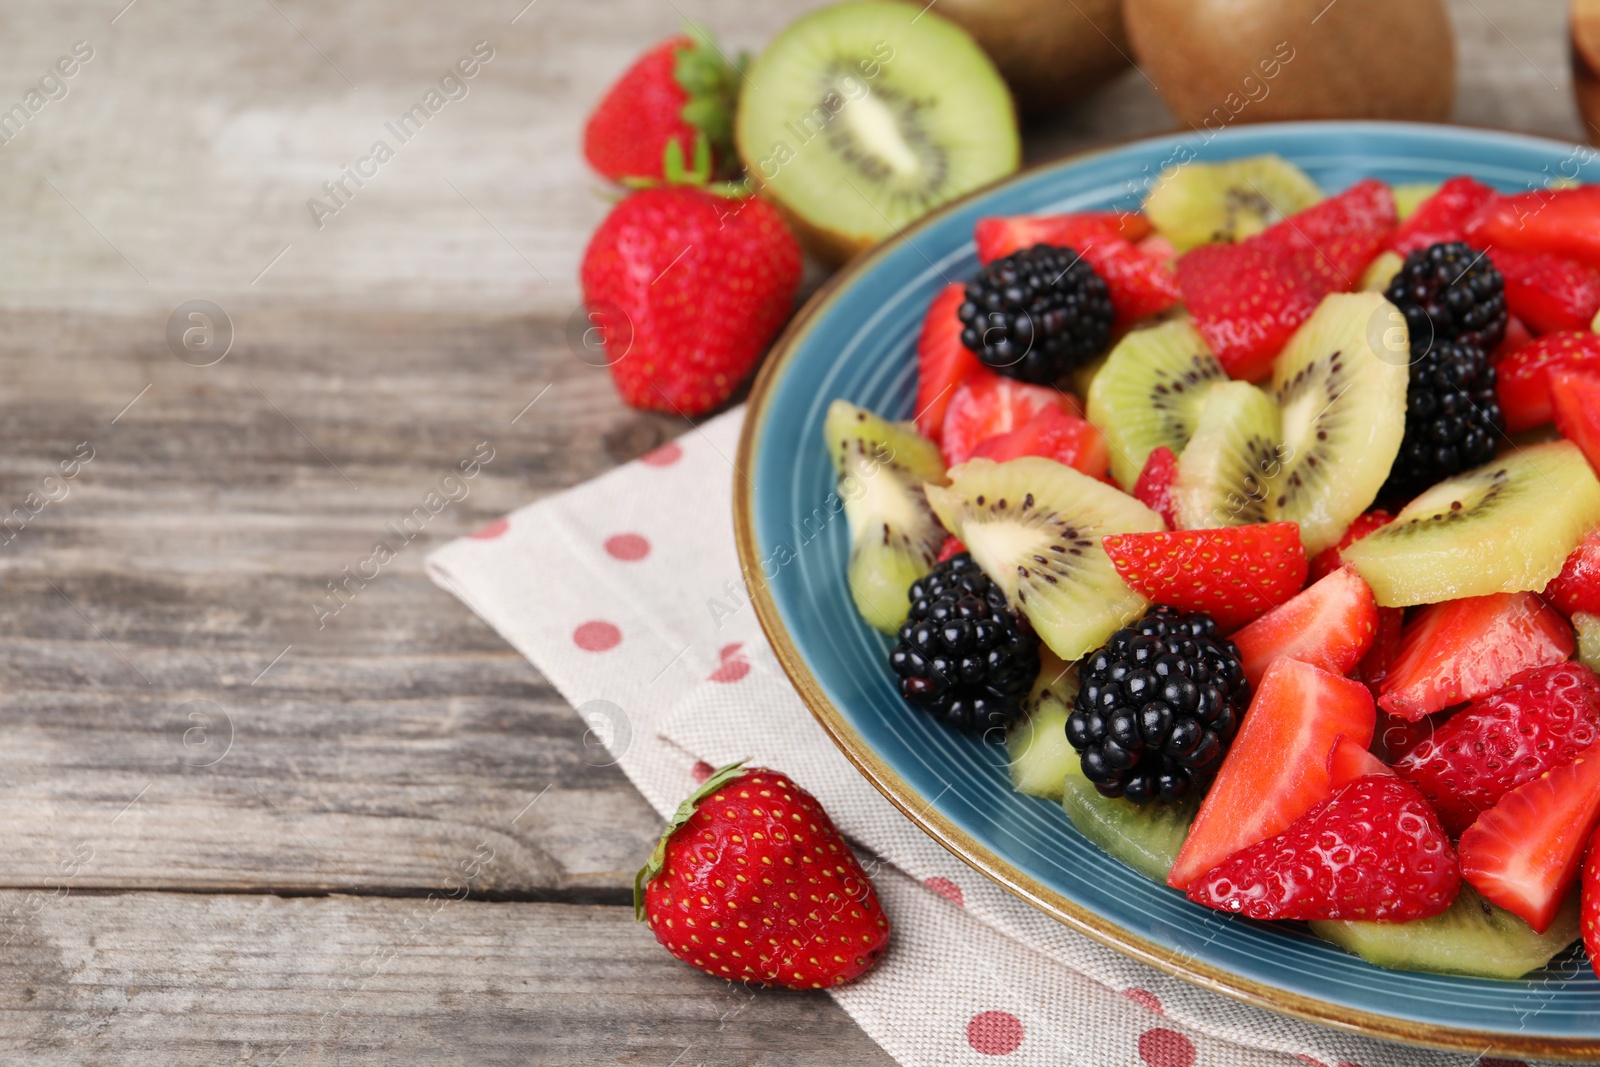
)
(626, 592)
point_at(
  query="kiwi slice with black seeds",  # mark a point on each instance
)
(1034, 526)
(1505, 527)
(861, 117)
(894, 536)
(1150, 393)
(1040, 755)
(1201, 203)
(1226, 473)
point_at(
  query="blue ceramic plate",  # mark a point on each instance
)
(856, 340)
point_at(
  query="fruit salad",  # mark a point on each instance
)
(1262, 527)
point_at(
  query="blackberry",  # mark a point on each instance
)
(1453, 418)
(1036, 314)
(1450, 292)
(963, 654)
(1158, 707)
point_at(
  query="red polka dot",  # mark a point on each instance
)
(947, 889)
(1309, 1062)
(1347, 1063)
(1166, 1048)
(597, 636)
(701, 770)
(734, 665)
(1144, 997)
(627, 547)
(491, 531)
(665, 456)
(995, 1033)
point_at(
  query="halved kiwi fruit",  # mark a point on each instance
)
(1201, 203)
(1472, 937)
(861, 117)
(1505, 527)
(1150, 393)
(1225, 474)
(1041, 757)
(1146, 837)
(894, 537)
(1340, 383)
(1034, 526)
(1588, 628)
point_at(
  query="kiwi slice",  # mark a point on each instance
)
(1200, 203)
(894, 537)
(861, 117)
(1150, 392)
(1037, 745)
(1472, 937)
(1034, 526)
(1146, 837)
(1409, 196)
(1504, 527)
(1381, 271)
(1340, 384)
(1225, 474)
(1588, 628)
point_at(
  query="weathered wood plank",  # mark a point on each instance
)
(157, 979)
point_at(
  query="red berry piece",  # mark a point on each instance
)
(943, 362)
(1576, 396)
(1247, 300)
(986, 405)
(1577, 587)
(1548, 293)
(1139, 284)
(1053, 434)
(1562, 222)
(1373, 852)
(1330, 625)
(753, 883)
(1336, 239)
(1522, 378)
(1154, 488)
(1443, 216)
(1234, 574)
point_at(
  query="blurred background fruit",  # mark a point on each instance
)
(1216, 62)
(1049, 52)
(1585, 27)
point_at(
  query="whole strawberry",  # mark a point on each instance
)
(1373, 851)
(688, 287)
(682, 90)
(751, 882)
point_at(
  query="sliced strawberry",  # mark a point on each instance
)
(1522, 378)
(1330, 625)
(1277, 768)
(1523, 853)
(1233, 574)
(1003, 235)
(1348, 761)
(943, 362)
(1336, 238)
(1139, 284)
(1465, 649)
(1562, 222)
(1246, 301)
(1577, 587)
(986, 405)
(1539, 720)
(1373, 851)
(1154, 488)
(1443, 216)
(1158, 248)
(1053, 434)
(1547, 292)
(1576, 396)
(951, 547)
(1379, 660)
(1517, 336)
(1589, 913)
(1329, 560)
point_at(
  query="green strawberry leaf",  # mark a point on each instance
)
(719, 778)
(711, 81)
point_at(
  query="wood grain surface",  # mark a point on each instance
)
(222, 813)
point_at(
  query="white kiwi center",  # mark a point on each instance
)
(875, 123)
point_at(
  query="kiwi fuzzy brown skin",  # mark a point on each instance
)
(1373, 59)
(1585, 31)
(1049, 52)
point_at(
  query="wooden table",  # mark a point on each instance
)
(236, 836)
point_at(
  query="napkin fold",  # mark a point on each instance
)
(626, 592)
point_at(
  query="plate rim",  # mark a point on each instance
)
(943, 830)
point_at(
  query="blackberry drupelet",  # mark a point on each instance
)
(1450, 292)
(1158, 707)
(963, 654)
(1453, 418)
(1036, 314)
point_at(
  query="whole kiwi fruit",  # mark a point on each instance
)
(1217, 62)
(1049, 51)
